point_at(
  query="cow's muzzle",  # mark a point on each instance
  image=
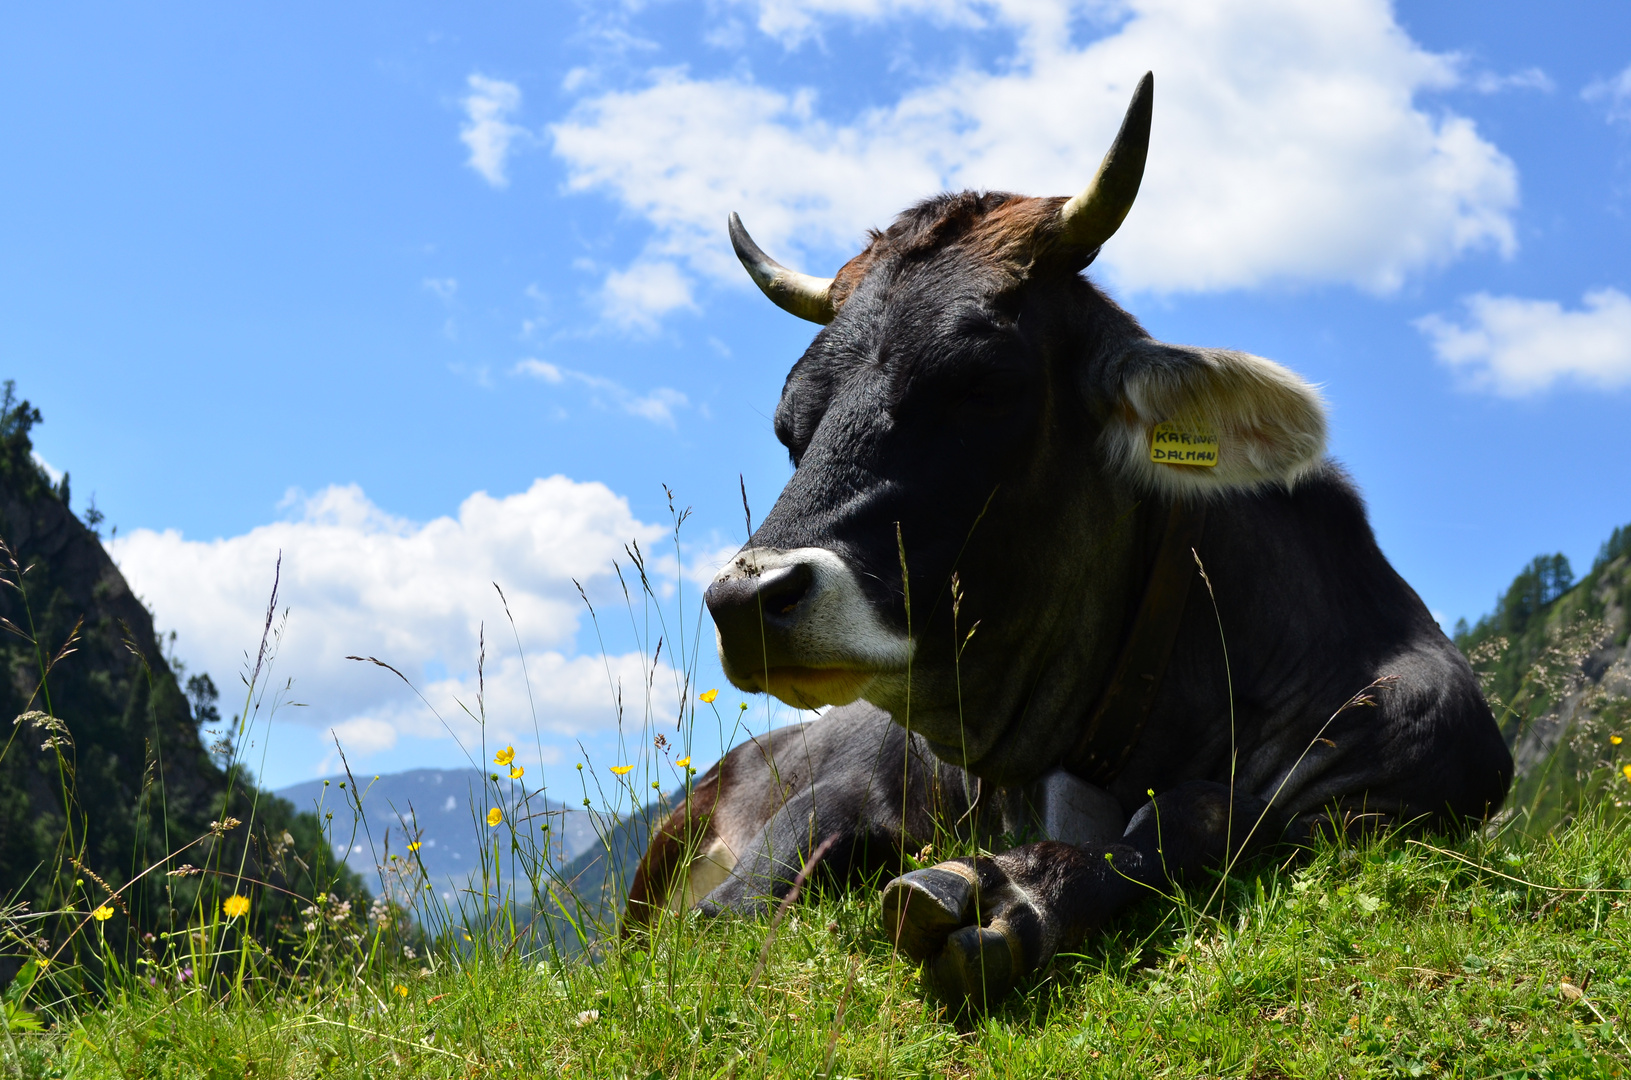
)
(796, 624)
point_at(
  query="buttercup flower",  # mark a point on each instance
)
(414, 846)
(516, 771)
(707, 696)
(621, 770)
(401, 991)
(504, 756)
(494, 816)
(1626, 769)
(102, 914)
(682, 762)
(1615, 740)
(235, 906)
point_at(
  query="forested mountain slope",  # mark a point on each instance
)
(1556, 666)
(102, 771)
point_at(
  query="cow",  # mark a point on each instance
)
(1095, 602)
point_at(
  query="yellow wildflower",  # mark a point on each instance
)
(494, 816)
(516, 771)
(42, 962)
(414, 846)
(1615, 740)
(1626, 769)
(682, 762)
(401, 991)
(707, 696)
(102, 914)
(504, 756)
(621, 770)
(235, 906)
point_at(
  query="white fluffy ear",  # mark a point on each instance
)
(1269, 422)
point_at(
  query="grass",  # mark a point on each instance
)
(1505, 952)
(1490, 956)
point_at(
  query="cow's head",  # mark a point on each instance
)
(970, 434)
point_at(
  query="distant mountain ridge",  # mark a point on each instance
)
(445, 810)
(593, 854)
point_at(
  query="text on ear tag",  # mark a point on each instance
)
(1186, 443)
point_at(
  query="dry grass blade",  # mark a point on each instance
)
(271, 613)
(787, 902)
(1481, 868)
(69, 646)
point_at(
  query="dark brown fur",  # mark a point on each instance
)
(1006, 233)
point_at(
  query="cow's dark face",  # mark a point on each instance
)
(938, 416)
(978, 410)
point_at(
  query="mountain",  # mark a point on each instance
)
(445, 809)
(102, 771)
(1555, 659)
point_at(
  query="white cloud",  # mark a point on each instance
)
(792, 22)
(487, 130)
(1288, 147)
(638, 297)
(542, 370)
(1513, 346)
(363, 735)
(1533, 78)
(657, 406)
(444, 289)
(359, 581)
(541, 304)
(447, 291)
(1614, 94)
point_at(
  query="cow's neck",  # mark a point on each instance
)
(1125, 703)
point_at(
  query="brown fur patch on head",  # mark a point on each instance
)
(1008, 234)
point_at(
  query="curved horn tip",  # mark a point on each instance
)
(1139, 112)
(1094, 215)
(740, 240)
(795, 293)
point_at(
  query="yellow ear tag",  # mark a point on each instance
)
(1183, 443)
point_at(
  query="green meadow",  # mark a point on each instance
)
(197, 927)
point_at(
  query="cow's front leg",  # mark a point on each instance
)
(980, 925)
(827, 823)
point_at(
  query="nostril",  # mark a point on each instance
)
(781, 590)
(758, 614)
(774, 594)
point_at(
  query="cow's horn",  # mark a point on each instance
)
(800, 294)
(1092, 217)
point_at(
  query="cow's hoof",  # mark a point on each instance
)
(976, 966)
(922, 908)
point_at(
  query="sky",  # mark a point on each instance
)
(424, 298)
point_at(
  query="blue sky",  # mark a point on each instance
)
(310, 278)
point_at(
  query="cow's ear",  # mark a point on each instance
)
(1168, 402)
